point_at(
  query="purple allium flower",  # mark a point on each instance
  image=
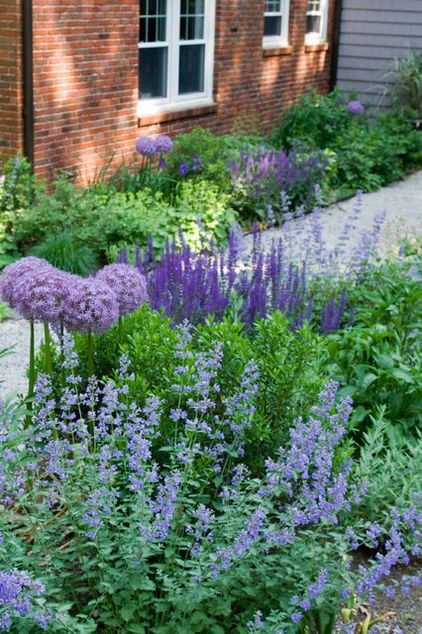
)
(183, 168)
(146, 146)
(163, 144)
(39, 292)
(91, 306)
(14, 273)
(355, 107)
(128, 285)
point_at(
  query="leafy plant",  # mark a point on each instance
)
(64, 252)
(378, 360)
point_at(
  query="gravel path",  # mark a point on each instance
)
(402, 203)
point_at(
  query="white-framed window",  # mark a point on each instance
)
(176, 54)
(316, 21)
(276, 23)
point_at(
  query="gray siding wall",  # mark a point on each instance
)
(373, 33)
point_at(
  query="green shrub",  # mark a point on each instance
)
(378, 359)
(315, 121)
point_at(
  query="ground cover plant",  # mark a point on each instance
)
(141, 541)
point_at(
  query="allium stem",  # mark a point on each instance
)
(90, 362)
(31, 382)
(120, 330)
(48, 353)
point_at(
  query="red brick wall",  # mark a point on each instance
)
(86, 78)
(11, 126)
(85, 83)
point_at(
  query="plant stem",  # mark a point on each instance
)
(120, 327)
(31, 383)
(47, 342)
(90, 364)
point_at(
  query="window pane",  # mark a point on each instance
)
(272, 6)
(272, 25)
(192, 28)
(191, 7)
(191, 68)
(314, 5)
(153, 72)
(313, 23)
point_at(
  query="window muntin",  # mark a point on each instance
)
(176, 52)
(276, 22)
(316, 21)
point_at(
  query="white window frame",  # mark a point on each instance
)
(174, 101)
(317, 38)
(271, 41)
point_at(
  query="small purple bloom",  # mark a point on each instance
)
(183, 168)
(355, 107)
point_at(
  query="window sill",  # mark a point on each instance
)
(273, 51)
(317, 46)
(173, 114)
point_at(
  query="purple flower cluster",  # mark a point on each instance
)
(149, 146)
(263, 173)
(355, 107)
(188, 285)
(17, 594)
(39, 291)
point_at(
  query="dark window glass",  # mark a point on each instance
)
(191, 68)
(192, 28)
(313, 23)
(272, 25)
(272, 6)
(153, 21)
(153, 72)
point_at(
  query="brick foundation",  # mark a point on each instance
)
(86, 79)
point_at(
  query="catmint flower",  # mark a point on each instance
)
(91, 306)
(163, 144)
(128, 285)
(146, 146)
(183, 168)
(355, 107)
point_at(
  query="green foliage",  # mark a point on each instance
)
(290, 366)
(391, 467)
(315, 120)
(65, 253)
(363, 155)
(378, 360)
(132, 218)
(17, 186)
(102, 221)
(4, 311)
(212, 150)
